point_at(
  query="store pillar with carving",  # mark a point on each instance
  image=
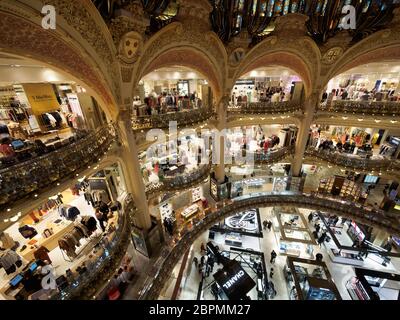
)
(145, 231)
(310, 106)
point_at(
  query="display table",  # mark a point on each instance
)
(345, 257)
(290, 250)
(190, 211)
(233, 239)
(50, 243)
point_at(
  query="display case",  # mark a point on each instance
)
(196, 194)
(190, 211)
(166, 210)
(309, 280)
(233, 239)
(356, 289)
(290, 249)
(340, 256)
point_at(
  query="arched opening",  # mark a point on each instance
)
(168, 94)
(286, 60)
(191, 58)
(176, 88)
(42, 108)
(265, 85)
(358, 114)
(27, 39)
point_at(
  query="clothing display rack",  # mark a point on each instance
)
(83, 229)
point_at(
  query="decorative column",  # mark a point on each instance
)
(133, 176)
(304, 130)
(221, 125)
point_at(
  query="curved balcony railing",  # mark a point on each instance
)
(266, 107)
(373, 108)
(180, 181)
(173, 251)
(112, 247)
(38, 173)
(274, 155)
(162, 120)
(352, 161)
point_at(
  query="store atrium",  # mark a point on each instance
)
(200, 150)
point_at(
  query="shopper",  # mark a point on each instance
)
(310, 217)
(202, 248)
(100, 217)
(355, 244)
(322, 238)
(317, 227)
(265, 224)
(273, 256)
(196, 261)
(211, 262)
(269, 225)
(272, 291)
(271, 273)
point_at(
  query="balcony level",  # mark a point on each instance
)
(171, 254)
(20, 179)
(384, 109)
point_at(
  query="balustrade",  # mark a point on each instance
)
(373, 108)
(162, 120)
(356, 162)
(30, 176)
(180, 181)
(266, 107)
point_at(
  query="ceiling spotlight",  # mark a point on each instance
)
(360, 119)
(344, 118)
(377, 121)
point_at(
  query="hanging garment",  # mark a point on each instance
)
(72, 213)
(52, 120)
(63, 210)
(57, 116)
(90, 223)
(100, 196)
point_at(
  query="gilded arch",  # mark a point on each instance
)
(299, 55)
(381, 46)
(191, 48)
(23, 35)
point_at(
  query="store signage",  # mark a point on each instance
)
(74, 103)
(41, 97)
(244, 82)
(233, 280)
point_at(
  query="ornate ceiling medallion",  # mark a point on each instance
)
(130, 47)
(236, 56)
(332, 55)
